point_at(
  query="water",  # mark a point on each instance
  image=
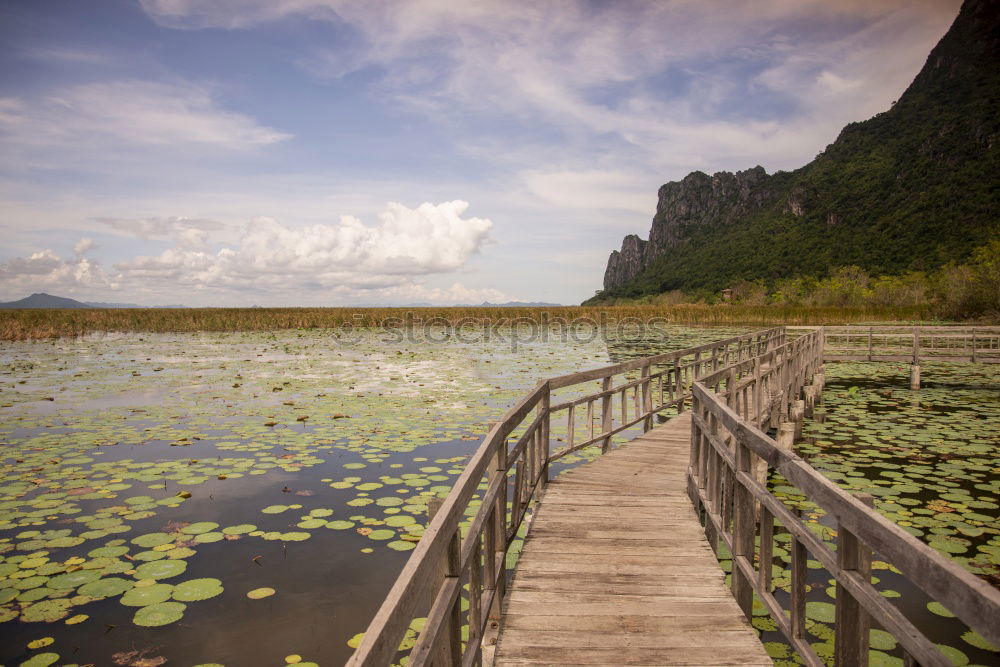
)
(148, 434)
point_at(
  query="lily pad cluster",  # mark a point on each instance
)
(929, 458)
(117, 447)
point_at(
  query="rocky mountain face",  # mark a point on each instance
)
(699, 200)
(909, 189)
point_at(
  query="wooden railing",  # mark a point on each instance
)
(911, 344)
(509, 471)
(727, 487)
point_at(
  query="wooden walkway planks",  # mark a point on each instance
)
(616, 569)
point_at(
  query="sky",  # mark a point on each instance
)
(379, 152)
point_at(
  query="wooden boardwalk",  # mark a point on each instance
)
(616, 569)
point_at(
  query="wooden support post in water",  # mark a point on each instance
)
(915, 366)
(914, 376)
(799, 416)
(852, 625)
(786, 435)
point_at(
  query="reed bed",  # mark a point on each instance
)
(33, 324)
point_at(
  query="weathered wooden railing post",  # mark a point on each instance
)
(545, 444)
(851, 622)
(758, 395)
(447, 650)
(606, 413)
(915, 366)
(647, 400)
(797, 607)
(869, 343)
(744, 531)
(496, 535)
(680, 385)
(973, 346)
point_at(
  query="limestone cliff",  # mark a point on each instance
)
(912, 188)
(699, 200)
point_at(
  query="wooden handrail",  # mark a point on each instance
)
(726, 485)
(515, 476)
(911, 343)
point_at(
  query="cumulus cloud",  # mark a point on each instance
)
(348, 260)
(45, 270)
(83, 245)
(432, 238)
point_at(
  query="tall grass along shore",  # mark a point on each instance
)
(31, 324)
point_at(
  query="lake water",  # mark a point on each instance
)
(151, 482)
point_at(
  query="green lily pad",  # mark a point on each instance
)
(74, 579)
(160, 569)
(939, 609)
(161, 613)
(260, 593)
(107, 587)
(142, 596)
(973, 638)
(197, 589)
(240, 529)
(199, 528)
(824, 612)
(150, 540)
(207, 538)
(46, 611)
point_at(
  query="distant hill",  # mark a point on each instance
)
(912, 188)
(43, 300)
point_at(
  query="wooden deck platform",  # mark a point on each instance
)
(616, 569)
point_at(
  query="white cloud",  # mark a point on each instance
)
(46, 271)
(592, 189)
(457, 293)
(83, 245)
(118, 115)
(592, 70)
(348, 260)
(187, 232)
(428, 239)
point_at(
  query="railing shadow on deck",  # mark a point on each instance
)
(506, 474)
(727, 481)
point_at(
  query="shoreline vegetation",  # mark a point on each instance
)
(955, 292)
(40, 324)
(967, 293)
